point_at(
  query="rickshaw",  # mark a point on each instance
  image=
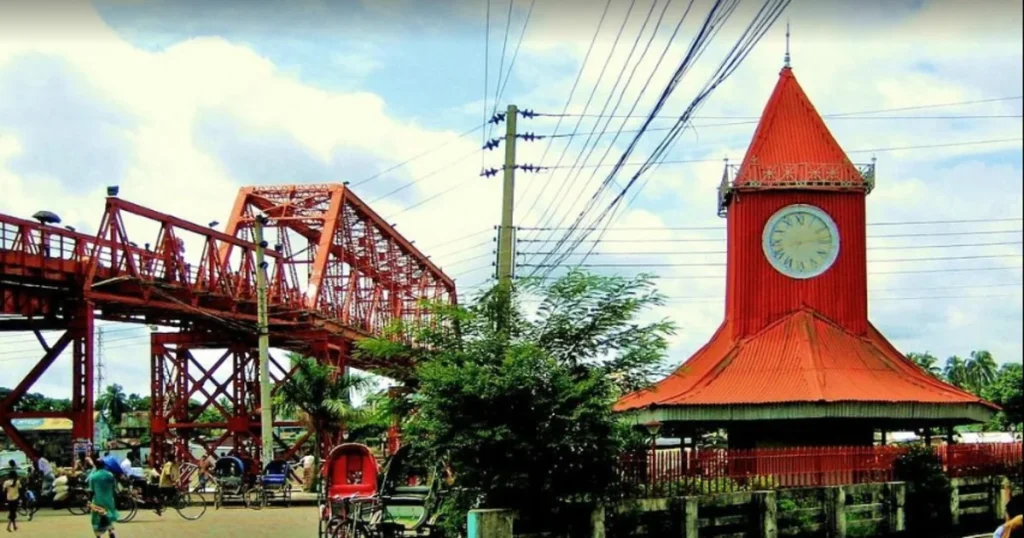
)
(348, 490)
(274, 482)
(355, 505)
(234, 483)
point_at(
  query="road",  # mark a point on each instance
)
(228, 522)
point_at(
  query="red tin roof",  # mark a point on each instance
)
(792, 144)
(800, 358)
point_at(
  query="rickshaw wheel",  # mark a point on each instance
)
(253, 499)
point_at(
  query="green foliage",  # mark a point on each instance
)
(802, 521)
(927, 362)
(35, 402)
(322, 393)
(113, 404)
(1006, 391)
(520, 407)
(928, 489)
(138, 403)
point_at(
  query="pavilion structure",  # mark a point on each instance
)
(796, 362)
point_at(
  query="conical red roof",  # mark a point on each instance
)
(801, 358)
(794, 361)
(793, 147)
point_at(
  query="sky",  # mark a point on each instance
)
(182, 102)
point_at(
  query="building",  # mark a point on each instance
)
(796, 362)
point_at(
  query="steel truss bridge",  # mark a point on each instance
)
(337, 273)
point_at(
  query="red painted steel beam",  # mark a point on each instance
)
(197, 229)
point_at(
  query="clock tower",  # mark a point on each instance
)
(796, 361)
(795, 220)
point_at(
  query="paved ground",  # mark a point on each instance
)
(228, 522)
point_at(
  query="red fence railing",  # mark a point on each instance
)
(691, 472)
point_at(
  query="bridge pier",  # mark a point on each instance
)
(78, 335)
(184, 387)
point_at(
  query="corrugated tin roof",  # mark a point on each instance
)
(801, 358)
(792, 142)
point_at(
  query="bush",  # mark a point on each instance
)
(928, 490)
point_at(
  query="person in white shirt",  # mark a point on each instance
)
(46, 470)
(126, 465)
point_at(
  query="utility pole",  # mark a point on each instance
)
(266, 416)
(505, 232)
(97, 435)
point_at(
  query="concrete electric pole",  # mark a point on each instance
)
(266, 411)
(506, 252)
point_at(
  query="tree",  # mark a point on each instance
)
(927, 362)
(956, 372)
(981, 370)
(1006, 391)
(322, 393)
(495, 392)
(113, 404)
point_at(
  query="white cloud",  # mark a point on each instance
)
(207, 115)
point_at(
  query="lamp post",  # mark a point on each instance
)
(653, 428)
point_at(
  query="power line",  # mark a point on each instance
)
(895, 272)
(866, 150)
(720, 239)
(754, 32)
(487, 71)
(501, 66)
(880, 223)
(508, 74)
(756, 121)
(420, 155)
(572, 91)
(840, 114)
(710, 300)
(927, 288)
(903, 260)
(462, 238)
(547, 215)
(722, 252)
(423, 177)
(600, 77)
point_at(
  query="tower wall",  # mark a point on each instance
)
(757, 294)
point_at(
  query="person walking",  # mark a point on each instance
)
(101, 483)
(12, 491)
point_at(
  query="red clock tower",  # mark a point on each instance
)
(796, 361)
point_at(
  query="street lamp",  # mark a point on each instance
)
(653, 428)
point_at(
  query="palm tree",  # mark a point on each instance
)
(113, 404)
(319, 392)
(956, 372)
(981, 370)
(927, 362)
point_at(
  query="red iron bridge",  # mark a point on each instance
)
(337, 273)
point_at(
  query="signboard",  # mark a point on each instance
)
(81, 446)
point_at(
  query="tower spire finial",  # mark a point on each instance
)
(787, 43)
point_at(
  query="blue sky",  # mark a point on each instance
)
(181, 103)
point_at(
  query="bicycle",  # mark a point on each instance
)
(189, 505)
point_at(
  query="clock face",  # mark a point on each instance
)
(801, 241)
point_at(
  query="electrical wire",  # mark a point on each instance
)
(554, 208)
(859, 112)
(755, 31)
(722, 252)
(522, 34)
(419, 155)
(901, 260)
